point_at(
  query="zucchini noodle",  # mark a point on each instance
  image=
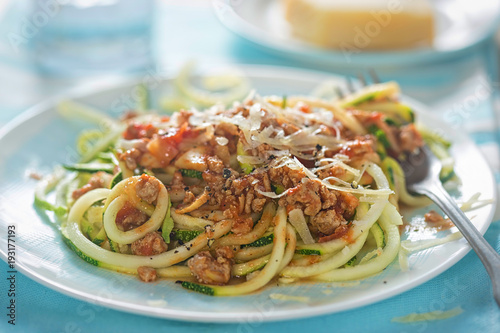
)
(270, 269)
(372, 266)
(255, 234)
(127, 237)
(339, 259)
(250, 253)
(188, 222)
(269, 188)
(165, 259)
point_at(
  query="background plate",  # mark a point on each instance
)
(41, 139)
(460, 24)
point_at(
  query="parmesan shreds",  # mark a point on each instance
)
(283, 297)
(250, 159)
(358, 177)
(222, 141)
(337, 180)
(297, 219)
(271, 195)
(306, 138)
(415, 246)
(359, 190)
(296, 165)
(428, 316)
(308, 172)
(474, 203)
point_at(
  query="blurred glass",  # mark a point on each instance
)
(80, 37)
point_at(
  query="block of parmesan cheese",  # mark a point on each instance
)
(362, 24)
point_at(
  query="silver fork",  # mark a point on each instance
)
(422, 171)
(422, 177)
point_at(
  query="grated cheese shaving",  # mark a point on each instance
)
(250, 159)
(160, 303)
(271, 195)
(415, 246)
(473, 200)
(428, 316)
(298, 221)
(283, 297)
(221, 141)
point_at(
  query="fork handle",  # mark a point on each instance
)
(489, 257)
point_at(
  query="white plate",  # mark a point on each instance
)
(460, 24)
(41, 139)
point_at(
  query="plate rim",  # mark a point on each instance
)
(237, 317)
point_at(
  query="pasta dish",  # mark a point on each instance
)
(227, 199)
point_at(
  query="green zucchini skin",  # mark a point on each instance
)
(198, 288)
(186, 236)
(263, 241)
(308, 252)
(378, 234)
(116, 179)
(191, 173)
(91, 167)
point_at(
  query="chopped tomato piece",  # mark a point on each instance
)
(305, 108)
(163, 150)
(339, 232)
(376, 117)
(138, 131)
(164, 147)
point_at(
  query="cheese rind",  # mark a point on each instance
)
(362, 24)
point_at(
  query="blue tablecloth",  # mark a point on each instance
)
(446, 86)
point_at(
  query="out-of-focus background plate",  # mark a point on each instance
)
(460, 24)
(41, 139)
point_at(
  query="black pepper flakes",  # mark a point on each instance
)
(226, 173)
(319, 147)
(186, 188)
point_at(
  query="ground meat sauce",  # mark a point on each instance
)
(147, 274)
(212, 269)
(129, 218)
(98, 180)
(150, 245)
(436, 220)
